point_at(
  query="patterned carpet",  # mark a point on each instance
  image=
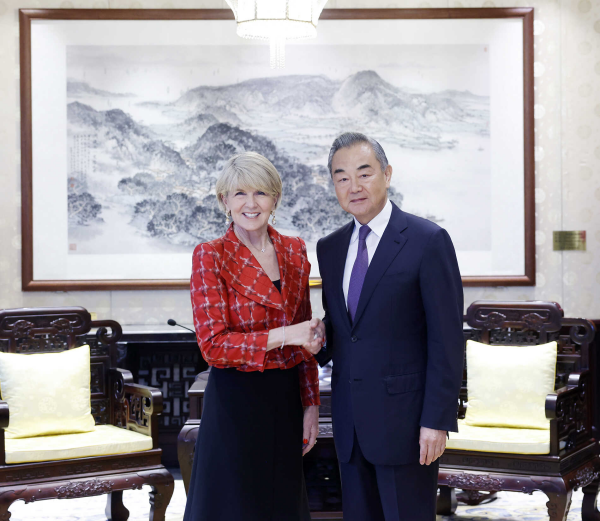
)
(508, 506)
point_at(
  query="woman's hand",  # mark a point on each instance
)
(309, 334)
(311, 428)
(305, 334)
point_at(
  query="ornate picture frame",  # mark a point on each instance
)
(120, 149)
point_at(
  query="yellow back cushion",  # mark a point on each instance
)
(47, 393)
(507, 385)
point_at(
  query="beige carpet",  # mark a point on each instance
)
(509, 506)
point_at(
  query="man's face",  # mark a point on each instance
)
(360, 185)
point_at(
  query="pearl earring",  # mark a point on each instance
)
(273, 220)
(227, 216)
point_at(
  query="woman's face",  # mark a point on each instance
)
(250, 209)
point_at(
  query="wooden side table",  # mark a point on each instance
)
(169, 359)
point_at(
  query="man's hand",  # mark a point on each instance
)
(433, 444)
(318, 336)
(320, 328)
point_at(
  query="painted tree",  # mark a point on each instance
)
(171, 215)
(207, 220)
(146, 208)
(323, 216)
(83, 208)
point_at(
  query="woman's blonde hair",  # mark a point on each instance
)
(249, 170)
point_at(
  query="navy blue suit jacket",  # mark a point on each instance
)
(398, 366)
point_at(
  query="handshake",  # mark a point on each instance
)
(309, 334)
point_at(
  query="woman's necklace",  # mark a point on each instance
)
(262, 250)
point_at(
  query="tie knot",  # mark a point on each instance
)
(363, 232)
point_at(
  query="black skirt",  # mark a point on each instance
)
(248, 459)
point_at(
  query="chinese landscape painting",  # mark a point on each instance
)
(150, 127)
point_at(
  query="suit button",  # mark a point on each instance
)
(354, 339)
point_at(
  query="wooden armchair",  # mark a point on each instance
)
(115, 400)
(572, 460)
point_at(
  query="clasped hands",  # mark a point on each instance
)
(309, 334)
(312, 335)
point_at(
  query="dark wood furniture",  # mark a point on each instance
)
(573, 459)
(168, 359)
(116, 400)
(320, 464)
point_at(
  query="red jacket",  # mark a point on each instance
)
(235, 304)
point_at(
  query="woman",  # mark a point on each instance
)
(252, 315)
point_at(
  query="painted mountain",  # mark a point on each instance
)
(154, 175)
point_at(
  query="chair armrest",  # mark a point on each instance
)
(135, 407)
(555, 401)
(569, 412)
(4, 417)
(198, 386)
(576, 387)
(119, 377)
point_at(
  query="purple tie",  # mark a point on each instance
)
(361, 265)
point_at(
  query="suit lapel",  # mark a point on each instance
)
(390, 244)
(242, 271)
(338, 266)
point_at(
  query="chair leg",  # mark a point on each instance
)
(4, 512)
(446, 502)
(589, 511)
(7, 498)
(558, 504)
(160, 496)
(115, 509)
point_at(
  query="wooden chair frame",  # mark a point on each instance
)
(573, 460)
(116, 400)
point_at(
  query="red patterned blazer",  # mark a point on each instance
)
(235, 304)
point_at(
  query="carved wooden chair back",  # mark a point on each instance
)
(51, 330)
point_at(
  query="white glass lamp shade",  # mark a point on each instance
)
(277, 21)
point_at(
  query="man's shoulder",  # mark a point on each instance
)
(334, 236)
(422, 224)
(421, 228)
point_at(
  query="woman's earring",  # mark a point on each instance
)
(227, 216)
(273, 214)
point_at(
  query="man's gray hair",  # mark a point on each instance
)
(349, 139)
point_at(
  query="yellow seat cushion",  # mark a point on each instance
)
(507, 385)
(47, 393)
(104, 440)
(500, 439)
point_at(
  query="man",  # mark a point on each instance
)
(393, 301)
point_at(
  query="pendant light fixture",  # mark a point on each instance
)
(277, 21)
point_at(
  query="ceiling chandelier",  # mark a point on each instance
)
(277, 21)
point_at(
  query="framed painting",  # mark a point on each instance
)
(129, 115)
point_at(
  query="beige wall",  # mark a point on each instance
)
(567, 90)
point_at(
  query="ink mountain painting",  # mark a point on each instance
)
(149, 130)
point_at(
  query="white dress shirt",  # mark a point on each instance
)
(378, 225)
